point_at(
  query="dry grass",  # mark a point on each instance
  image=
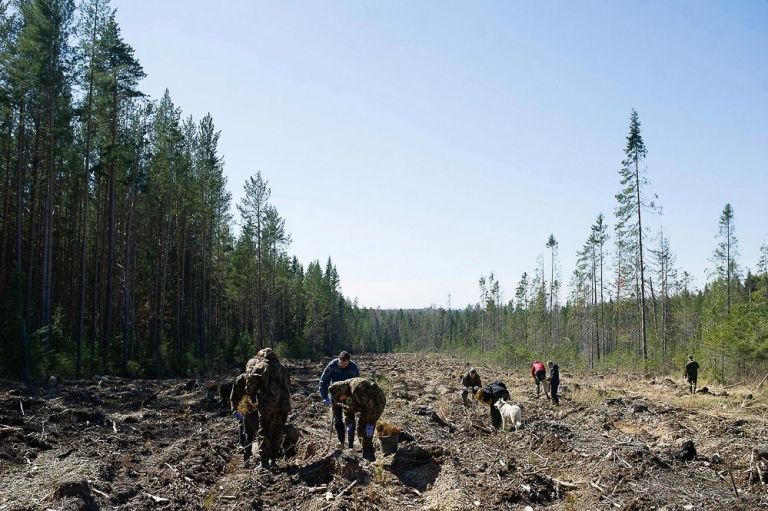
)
(737, 402)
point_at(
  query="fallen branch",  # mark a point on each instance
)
(734, 385)
(566, 485)
(62, 456)
(345, 490)
(156, 498)
(94, 490)
(730, 473)
(435, 417)
(482, 428)
(761, 382)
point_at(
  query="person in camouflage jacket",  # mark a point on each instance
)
(268, 385)
(364, 397)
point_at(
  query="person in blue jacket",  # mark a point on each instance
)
(339, 369)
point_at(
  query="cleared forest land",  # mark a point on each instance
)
(616, 442)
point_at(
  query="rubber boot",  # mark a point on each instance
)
(368, 453)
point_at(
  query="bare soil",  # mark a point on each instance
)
(616, 442)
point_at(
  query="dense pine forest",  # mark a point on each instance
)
(121, 251)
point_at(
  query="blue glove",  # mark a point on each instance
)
(369, 430)
(327, 401)
(238, 416)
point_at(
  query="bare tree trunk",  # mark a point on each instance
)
(106, 339)
(596, 339)
(6, 232)
(125, 349)
(86, 192)
(19, 242)
(642, 265)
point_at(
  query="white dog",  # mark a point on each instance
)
(511, 415)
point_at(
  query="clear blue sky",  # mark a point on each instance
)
(422, 144)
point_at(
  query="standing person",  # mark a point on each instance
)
(245, 409)
(470, 383)
(691, 373)
(554, 380)
(339, 369)
(489, 395)
(269, 385)
(358, 395)
(539, 374)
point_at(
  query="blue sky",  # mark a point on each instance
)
(422, 144)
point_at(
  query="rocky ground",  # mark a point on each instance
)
(616, 442)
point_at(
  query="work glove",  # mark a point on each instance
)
(327, 401)
(369, 430)
(475, 389)
(238, 416)
(465, 388)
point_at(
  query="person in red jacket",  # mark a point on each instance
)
(539, 374)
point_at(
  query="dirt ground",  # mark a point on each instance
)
(616, 442)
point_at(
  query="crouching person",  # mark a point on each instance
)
(489, 395)
(539, 374)
(363, 397)
(470, 383)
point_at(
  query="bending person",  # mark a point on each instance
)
(363, 397)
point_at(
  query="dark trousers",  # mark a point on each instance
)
(272, 427)
(496, 421)
(540, 377)
(692, 384)
(338, 422)
(248, 428)
(467, 391)
(553, 389)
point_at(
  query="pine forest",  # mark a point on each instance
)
(121, 251)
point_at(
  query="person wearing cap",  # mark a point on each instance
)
(339, 369)
(470, 383)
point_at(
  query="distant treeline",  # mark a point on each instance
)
(118, 252)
